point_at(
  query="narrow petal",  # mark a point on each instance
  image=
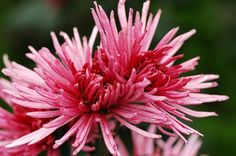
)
(122, 13)
(108, 138)
(136, 129)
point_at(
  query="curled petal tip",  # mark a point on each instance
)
(4, 71)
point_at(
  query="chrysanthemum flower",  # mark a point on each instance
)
(143, 146)
(122, 81)
(16, 124)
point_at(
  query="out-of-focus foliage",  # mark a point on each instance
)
(29, 22)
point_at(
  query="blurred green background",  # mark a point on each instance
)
(29, 22)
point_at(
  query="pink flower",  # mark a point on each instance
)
(124, 57)
(17, 124)
(124, 82)
(143, 146)
(176, 147)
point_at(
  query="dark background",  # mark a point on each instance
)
(29, 22)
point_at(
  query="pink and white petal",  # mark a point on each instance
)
(108, 138)
(136, 129)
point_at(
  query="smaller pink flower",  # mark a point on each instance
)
(143, 146)
(174, 147)
(17, 124)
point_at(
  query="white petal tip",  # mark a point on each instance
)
(5, 56)
(11, 145)
(29, 113)
(52, 34)
(223, 98)
(193, 31)
(31, 48)
(95, 2)
(4, 71)
(75, 29)
(215, 114)
(62, 33)
(176, 28)
(216, 76)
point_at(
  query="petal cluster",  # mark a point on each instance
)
(122, 81)
(151, 147)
